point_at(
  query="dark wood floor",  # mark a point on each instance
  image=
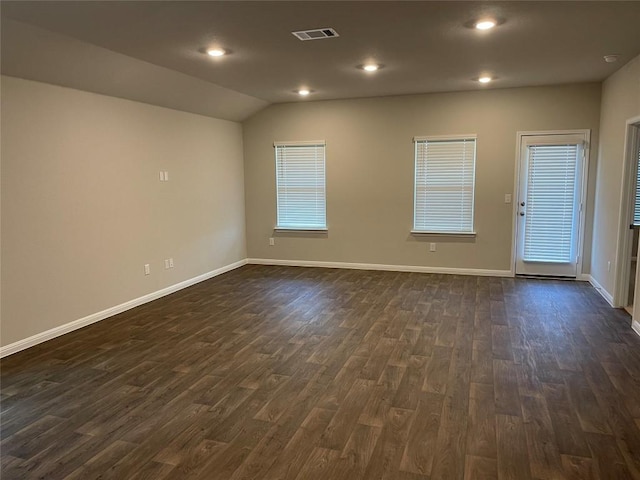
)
(292, 373)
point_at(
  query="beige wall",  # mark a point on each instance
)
(83, 209)
(370, 171)
(620, 102)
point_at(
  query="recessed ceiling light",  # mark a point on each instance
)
(484, 79)
(370, 67)
(485, 24)
(216, 52)
(304, 92)
(611, 58)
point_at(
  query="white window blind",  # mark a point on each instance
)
(550, 203)
(636, 211)
(444, 184)
(300, 185)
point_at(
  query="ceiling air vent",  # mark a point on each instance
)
(316, 34)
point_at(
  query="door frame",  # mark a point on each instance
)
(583, 194)
(627, 201)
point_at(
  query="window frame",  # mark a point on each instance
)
(301, 143)
(444, 138)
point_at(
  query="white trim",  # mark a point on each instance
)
(377, 266)
(635, 326)
(627, 182)
(586, 134)
(109, 312)
(300, 229)
(435, 138)
(446, 234)
(599, 288)
(304, 143)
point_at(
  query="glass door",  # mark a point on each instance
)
(549, 205)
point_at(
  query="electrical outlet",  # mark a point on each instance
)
(147, 269)
(432, 247)
(162, 176)
(272, 241)
(171, 262)
(166, 263)
(507, 198)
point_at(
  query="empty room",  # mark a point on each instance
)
(315, 240)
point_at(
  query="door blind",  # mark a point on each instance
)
(550, 203)
(444, 185)
(300, 179)
(636, 211)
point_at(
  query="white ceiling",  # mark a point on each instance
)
(424, 46)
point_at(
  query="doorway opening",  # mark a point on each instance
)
(628, 237)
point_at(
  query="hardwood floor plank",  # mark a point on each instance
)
(283, 396)
(501, 342)
(482, 362)
(356, 455)
(451, 443)
(628, 386)
(340, 386)
(387, 454)
(339, 429)
(321, 464)
(295, 454)
(481, 430)
(506, 387)
(569, 435)
(377, 407)
(153, 471)
(513, 457)
(421, 443)
(584, 403)
(544, 455)
(94, 468)
(411, 384)
(437, 373)
(578, 468)
(608, 463)
(479, 468)
(378, 359)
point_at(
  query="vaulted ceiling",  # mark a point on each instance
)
(156, 51)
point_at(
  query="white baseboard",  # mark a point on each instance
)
(600, 289)
(109, 312)
(377, 266)
(635, 326)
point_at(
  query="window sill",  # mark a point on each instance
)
(300, 229)
(443, 234)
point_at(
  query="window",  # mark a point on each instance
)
(636, 210)
(300, 185)
(444, 184)
(549, 227)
